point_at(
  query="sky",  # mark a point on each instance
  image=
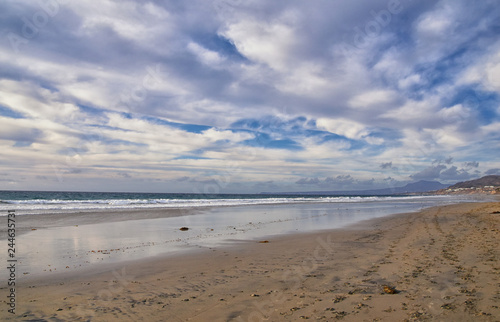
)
(233, 96)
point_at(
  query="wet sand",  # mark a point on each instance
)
(443, 263)
(51, 220)
(55, 243)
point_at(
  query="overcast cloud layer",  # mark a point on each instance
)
(247, 96)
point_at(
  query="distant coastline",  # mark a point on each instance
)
(488, 185)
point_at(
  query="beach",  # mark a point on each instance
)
(48, 244)
(441, 264)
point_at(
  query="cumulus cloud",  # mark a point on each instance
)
(448, 160)
(340, 180)
(492, 172)
(345, 182)
(429, 173)
(308, 181)
(443, 169)
(472, 164)
(387, 165)
(453, 173)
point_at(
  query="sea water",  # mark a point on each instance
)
(40, 202)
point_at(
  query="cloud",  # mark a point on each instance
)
(267, 43)
(492, 172)
(371, 99)
(207, 57)
(346, 182)
(472, 164)
(289, 90)
(340, 180)
(453, 173)
(429, 173)
(445, 170)
(124, 175)
(308, 181)
(387, 165)
(19, 131)
(347, 128)
(448, 160)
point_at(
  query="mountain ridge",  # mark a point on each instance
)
(413, 187)
(492, 180)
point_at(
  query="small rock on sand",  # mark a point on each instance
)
(390, 290)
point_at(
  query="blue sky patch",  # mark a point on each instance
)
(7, 112)
(192, 128)
(264, 140)
(484, 103)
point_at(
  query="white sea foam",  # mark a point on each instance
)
(42, 205)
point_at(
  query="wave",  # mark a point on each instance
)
(58, 204)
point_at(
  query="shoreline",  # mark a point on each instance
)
(233, 245)
(59, 243)
(444, 261)
(45, 219)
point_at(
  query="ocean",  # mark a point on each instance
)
(33, 202)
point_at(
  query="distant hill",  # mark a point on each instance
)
(423, 186)
(478, 183)
(415, 187)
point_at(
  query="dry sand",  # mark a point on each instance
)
(443, 262)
